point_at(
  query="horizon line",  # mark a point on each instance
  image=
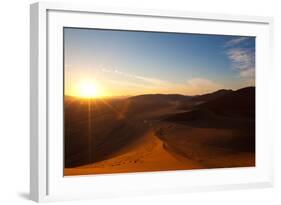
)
(128, 96)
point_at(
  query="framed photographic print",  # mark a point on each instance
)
(127, 102)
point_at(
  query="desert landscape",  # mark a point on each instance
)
(145, 101)
(160, 132)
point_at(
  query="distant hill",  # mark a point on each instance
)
(150, 102)
(160, 97)
(237, 103)
(192, 101)
(211, 96)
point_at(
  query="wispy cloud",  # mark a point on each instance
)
(242, 58)
(235, 41)
(145, 84)
(145, 79)
(202, 85)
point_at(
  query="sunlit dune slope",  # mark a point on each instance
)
(148, 153)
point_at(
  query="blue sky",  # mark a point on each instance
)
(132, 63)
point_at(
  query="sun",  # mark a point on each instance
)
(88, 89)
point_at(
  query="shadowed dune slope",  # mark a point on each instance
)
(240, 103)
(218, 133)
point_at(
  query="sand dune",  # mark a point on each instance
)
(209, 146)
(146, 154)
(160, 133)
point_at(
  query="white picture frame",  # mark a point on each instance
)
(47, 182)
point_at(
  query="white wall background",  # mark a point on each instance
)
(14, 101)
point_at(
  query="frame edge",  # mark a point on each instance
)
(34, 171)
(38, 12)
(38, 104)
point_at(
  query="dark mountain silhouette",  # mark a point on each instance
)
(211, 96)
(189, 103)
(240, 103)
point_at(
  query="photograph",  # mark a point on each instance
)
(147, 101)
